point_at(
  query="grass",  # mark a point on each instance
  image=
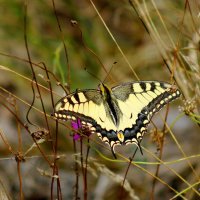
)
(44, 49)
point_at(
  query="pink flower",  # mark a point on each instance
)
(76, 125)
(76, 136)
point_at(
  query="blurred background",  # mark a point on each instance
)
(134, 40)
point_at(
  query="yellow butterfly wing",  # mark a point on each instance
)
(138, 101)
(89, 106)
(119, 115)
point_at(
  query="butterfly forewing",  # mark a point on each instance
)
(88, 106)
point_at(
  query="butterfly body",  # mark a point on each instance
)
(119, 115)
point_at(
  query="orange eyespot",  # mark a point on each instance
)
(120, 136)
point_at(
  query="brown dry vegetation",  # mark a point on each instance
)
(134, 40)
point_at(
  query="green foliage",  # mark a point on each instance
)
(148, 40)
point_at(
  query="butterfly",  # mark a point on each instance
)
(119, 115)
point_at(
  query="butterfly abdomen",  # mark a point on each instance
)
(110, 101)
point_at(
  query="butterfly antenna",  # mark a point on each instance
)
(94, 76)
(75, 24)
(108, 73)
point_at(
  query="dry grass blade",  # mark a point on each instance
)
(44, 50)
